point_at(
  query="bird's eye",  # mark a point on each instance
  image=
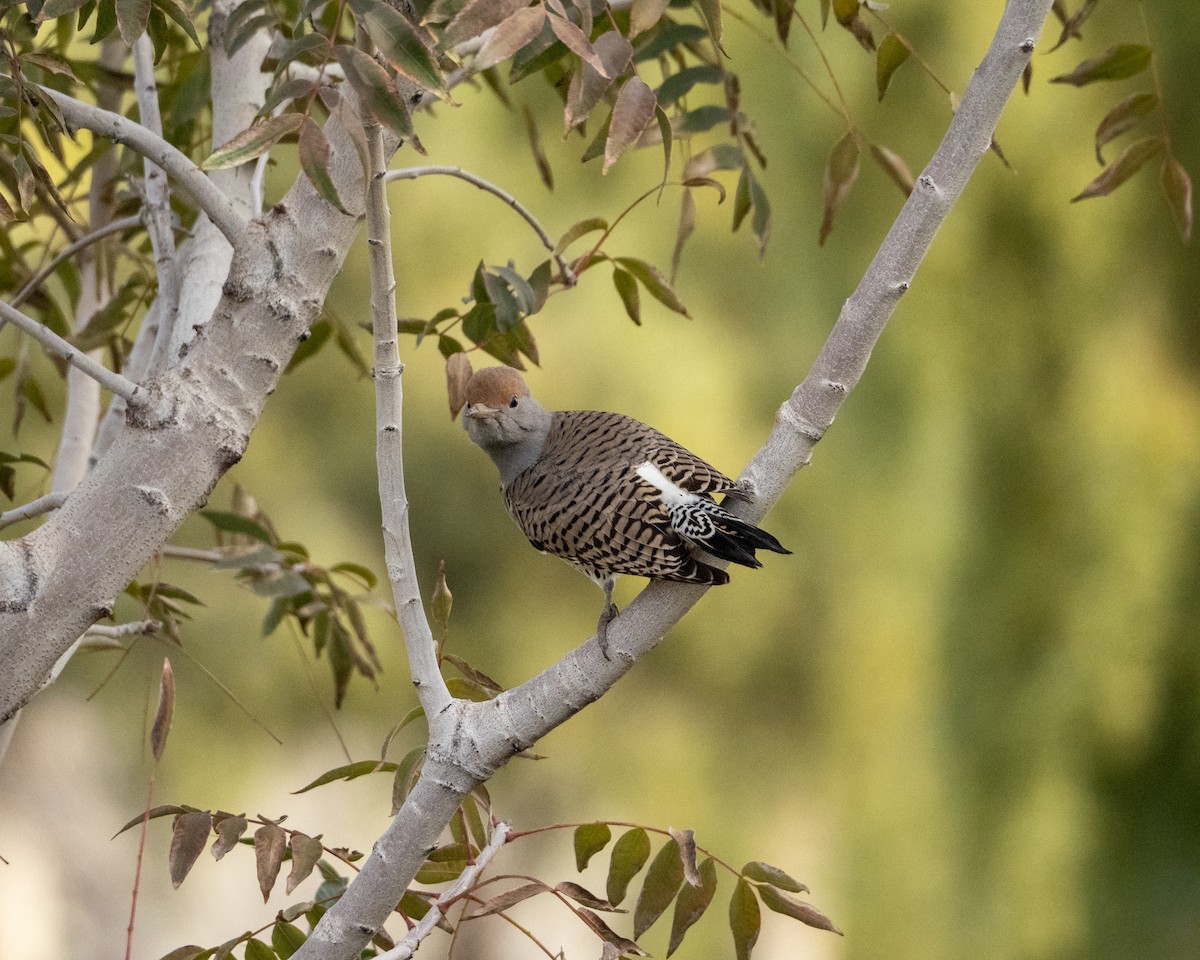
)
(512, 402)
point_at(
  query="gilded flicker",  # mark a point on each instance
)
(605, 492)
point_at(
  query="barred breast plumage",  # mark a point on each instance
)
(605, 492)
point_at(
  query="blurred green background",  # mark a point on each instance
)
(965, 712)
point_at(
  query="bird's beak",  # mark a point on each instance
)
(481, 411)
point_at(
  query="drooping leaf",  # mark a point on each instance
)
(894, 166)
(629, 855)
(590, 839)
(678, 84)
(584, 896)
(687, 224)
(806, 913)
(253, 142)
(166, 710)
(654, 282)
(662, 883)
(644, 14)
(1117, 63)
(229, 832)
(270, 844)
(177, 12)
(1177, 188)
(350, 771)
(576, 41)
(615, 944)
(631, 114)
(745, 919)
(406, 774)
(188, 839)
(841, 171)
(588, 85)
(257, 950)
(668, 38)
(687, 854)
(627, 290)
(163, 810)
(533, 134)
(52, 9)
(314, 161)
(510, 36)
(711, 11)
(508, 899)
(376, 90)
(1131, 160)
(306, 851)
(476, 17)
(580, 229)
(401, 44)
(692, 902)
(286, 938)
(765, 873)
(1123, 117)
(132, 17)
(891, 54)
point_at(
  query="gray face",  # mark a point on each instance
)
(512, 434)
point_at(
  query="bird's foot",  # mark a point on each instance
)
(606, 617)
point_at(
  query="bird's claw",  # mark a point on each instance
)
(606, 617)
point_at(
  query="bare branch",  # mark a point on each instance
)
(157, 211)
(389, 451)
(412, 173)
(408, 946)
(35, 508)
(135, 628)
(111, 381)
(189, 177)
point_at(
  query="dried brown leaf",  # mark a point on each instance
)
(188, 840)
(631, 115)
(270, 843)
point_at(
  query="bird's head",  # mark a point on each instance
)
(500, 412)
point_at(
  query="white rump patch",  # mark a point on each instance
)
(672, 493)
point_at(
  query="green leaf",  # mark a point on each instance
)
(376, 90)
(692, 902)
(745, 919)
(257, 950)
(841, 172)
(364, 574)
(765, 873)
(1132, 159)
(580, 229)
(654, 282)
(703, 119)
(797, 910)
(132, 17)
(627, 288)
(286, 938)
(1124, 116)
(236, 523)
(678, 84)
(401, 45)
(253, 142)
(629, 855)
(711, 11)
(1118, 63)
(668, 38)
(1177, 188)
(53, 9)
(176, 11)
(590, 839)
(406, 772)
(891, 53)
(350, 771)
(662, 883)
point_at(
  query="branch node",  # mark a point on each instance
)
(1027, 45)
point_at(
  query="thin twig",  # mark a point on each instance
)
(431, 687)
(66, 253)
(157, 211)
(35, 508)
(189, 177)
(408, 946)
(412, 173)
(191, 553)
(135, 628)
(109, 379)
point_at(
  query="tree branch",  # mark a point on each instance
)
(469, 742)
(35, 508)
(116, 226)
(412, 173)
(408, 946)
(189, 177)
(110, 380)
(157, 211)
(389, 450)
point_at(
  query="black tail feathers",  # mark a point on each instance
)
(729, 538)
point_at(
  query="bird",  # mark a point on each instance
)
(605, 492)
